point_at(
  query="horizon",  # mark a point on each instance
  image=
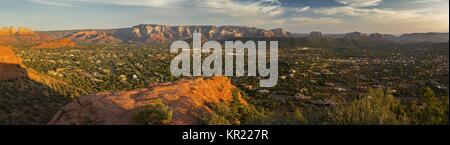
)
(301, 33)
(299, 17)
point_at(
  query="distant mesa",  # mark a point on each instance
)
(60, 43)
(187, 99)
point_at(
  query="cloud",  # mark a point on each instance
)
(51, 3)
(316, 21)
(360, 3)
(302, 9)
(425, 1)
(374, 13)
(387, 20)
(148, 3)
(248, 7)
(348, 15)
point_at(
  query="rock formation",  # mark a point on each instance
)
(10, 65)
(12, 31)
(186, 98)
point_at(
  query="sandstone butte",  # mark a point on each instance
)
(22, 36)
(186, 98)
(10, 31)
(60, 43)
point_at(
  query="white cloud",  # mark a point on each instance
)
(149, 3)
(388, 20)
(265, 7)
(374, 13)
(51, 2)
(302, 9)
(360, 3)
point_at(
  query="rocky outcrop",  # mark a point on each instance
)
(186, 98)
(10, 65)
(8, 31)
(25, 31)
(12, 31)
(60, 43)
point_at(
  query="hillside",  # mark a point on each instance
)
(10, 65)
(26, 97)
(189, 102)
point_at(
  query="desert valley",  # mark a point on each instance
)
(122, 76)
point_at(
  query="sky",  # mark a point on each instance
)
(298, 16)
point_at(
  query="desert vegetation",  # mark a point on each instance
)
(339, 81)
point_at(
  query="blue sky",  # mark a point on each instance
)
(329, 16)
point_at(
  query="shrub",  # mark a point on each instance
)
(153, 114)
(376, 107)
(431, 111)
(299, 117)
(218, 120)
(237, 113)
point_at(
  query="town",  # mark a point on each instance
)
(232, 49)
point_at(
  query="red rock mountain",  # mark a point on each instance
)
(166, 33)
(186, 98)
(93, 37)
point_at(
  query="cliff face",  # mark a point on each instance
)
(186, 98)
(163, 33)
